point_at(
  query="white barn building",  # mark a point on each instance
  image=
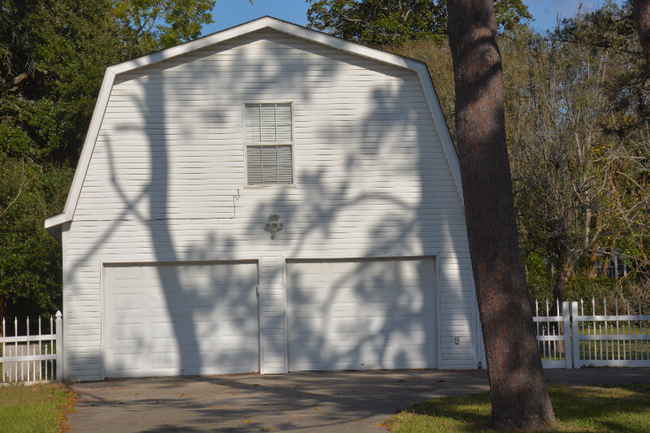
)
(267, 198)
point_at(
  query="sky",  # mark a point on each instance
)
(230, 13)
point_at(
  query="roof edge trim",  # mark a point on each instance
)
(259, 24)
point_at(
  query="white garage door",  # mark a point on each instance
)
(163, 320)
(363, 314)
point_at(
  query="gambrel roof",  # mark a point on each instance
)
(53, 224)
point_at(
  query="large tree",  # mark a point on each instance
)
(380, 22)
(150, 25)
(580, 152)
(581, 189)
(642, 16)
(576, 105)
(519, 396)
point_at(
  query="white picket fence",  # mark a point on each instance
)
(572, 338)
(552, 341)
(32, 358)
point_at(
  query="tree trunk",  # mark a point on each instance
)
(519, 395)
(642, 16)
(559, 295)
(607, 257)
(567, 265)
(593, 258)
(603, 270)
(559, 290)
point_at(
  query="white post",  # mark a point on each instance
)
(567, 333)
(59, 346)
(4, 351)
(576, 334)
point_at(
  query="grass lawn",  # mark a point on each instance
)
(581, 409)
(35, 408)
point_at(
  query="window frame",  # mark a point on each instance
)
(290, 143)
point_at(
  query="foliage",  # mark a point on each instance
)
(30, 258)
(37, 408)
(612, 28)
(579, 160)
(585, 409)
(580, 165)
(53, 55)
(150, 25)
(437, 56)
(380, 22)
(581, 287)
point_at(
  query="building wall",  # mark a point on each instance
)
(166, 182)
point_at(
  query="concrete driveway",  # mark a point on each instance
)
(297, 402)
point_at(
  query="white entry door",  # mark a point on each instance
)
(361, 314)
(163, 320)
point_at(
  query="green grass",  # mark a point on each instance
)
(582, 409)
(36, 408)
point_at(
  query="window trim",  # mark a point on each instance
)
(275, 143)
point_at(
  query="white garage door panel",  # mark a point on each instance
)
(361, 314)
(181, 319)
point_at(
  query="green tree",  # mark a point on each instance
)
(52, 59)
(381, 22)
(30, 258)
(150, 25)
(580, 152)
(611, 28)
(578, 144)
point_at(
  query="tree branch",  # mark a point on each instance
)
(22, 187)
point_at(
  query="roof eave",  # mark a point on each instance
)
(54, 225)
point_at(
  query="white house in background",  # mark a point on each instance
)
(266, 198)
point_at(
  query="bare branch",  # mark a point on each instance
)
(21, 188)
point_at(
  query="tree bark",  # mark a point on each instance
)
(642, 16)
(605, 267)
(564, 272)
(559, 289)
(593, 256)
(519, 395)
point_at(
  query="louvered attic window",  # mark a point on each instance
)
(269, 144)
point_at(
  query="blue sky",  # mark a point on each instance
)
(229, 13)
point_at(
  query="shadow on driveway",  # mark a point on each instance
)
(297, 402)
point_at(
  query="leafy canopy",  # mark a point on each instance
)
(393, 22)
(578, 137)
(151, 25)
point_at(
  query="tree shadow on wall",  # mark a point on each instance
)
(370, 182)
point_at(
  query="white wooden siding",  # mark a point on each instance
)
(166, 182)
